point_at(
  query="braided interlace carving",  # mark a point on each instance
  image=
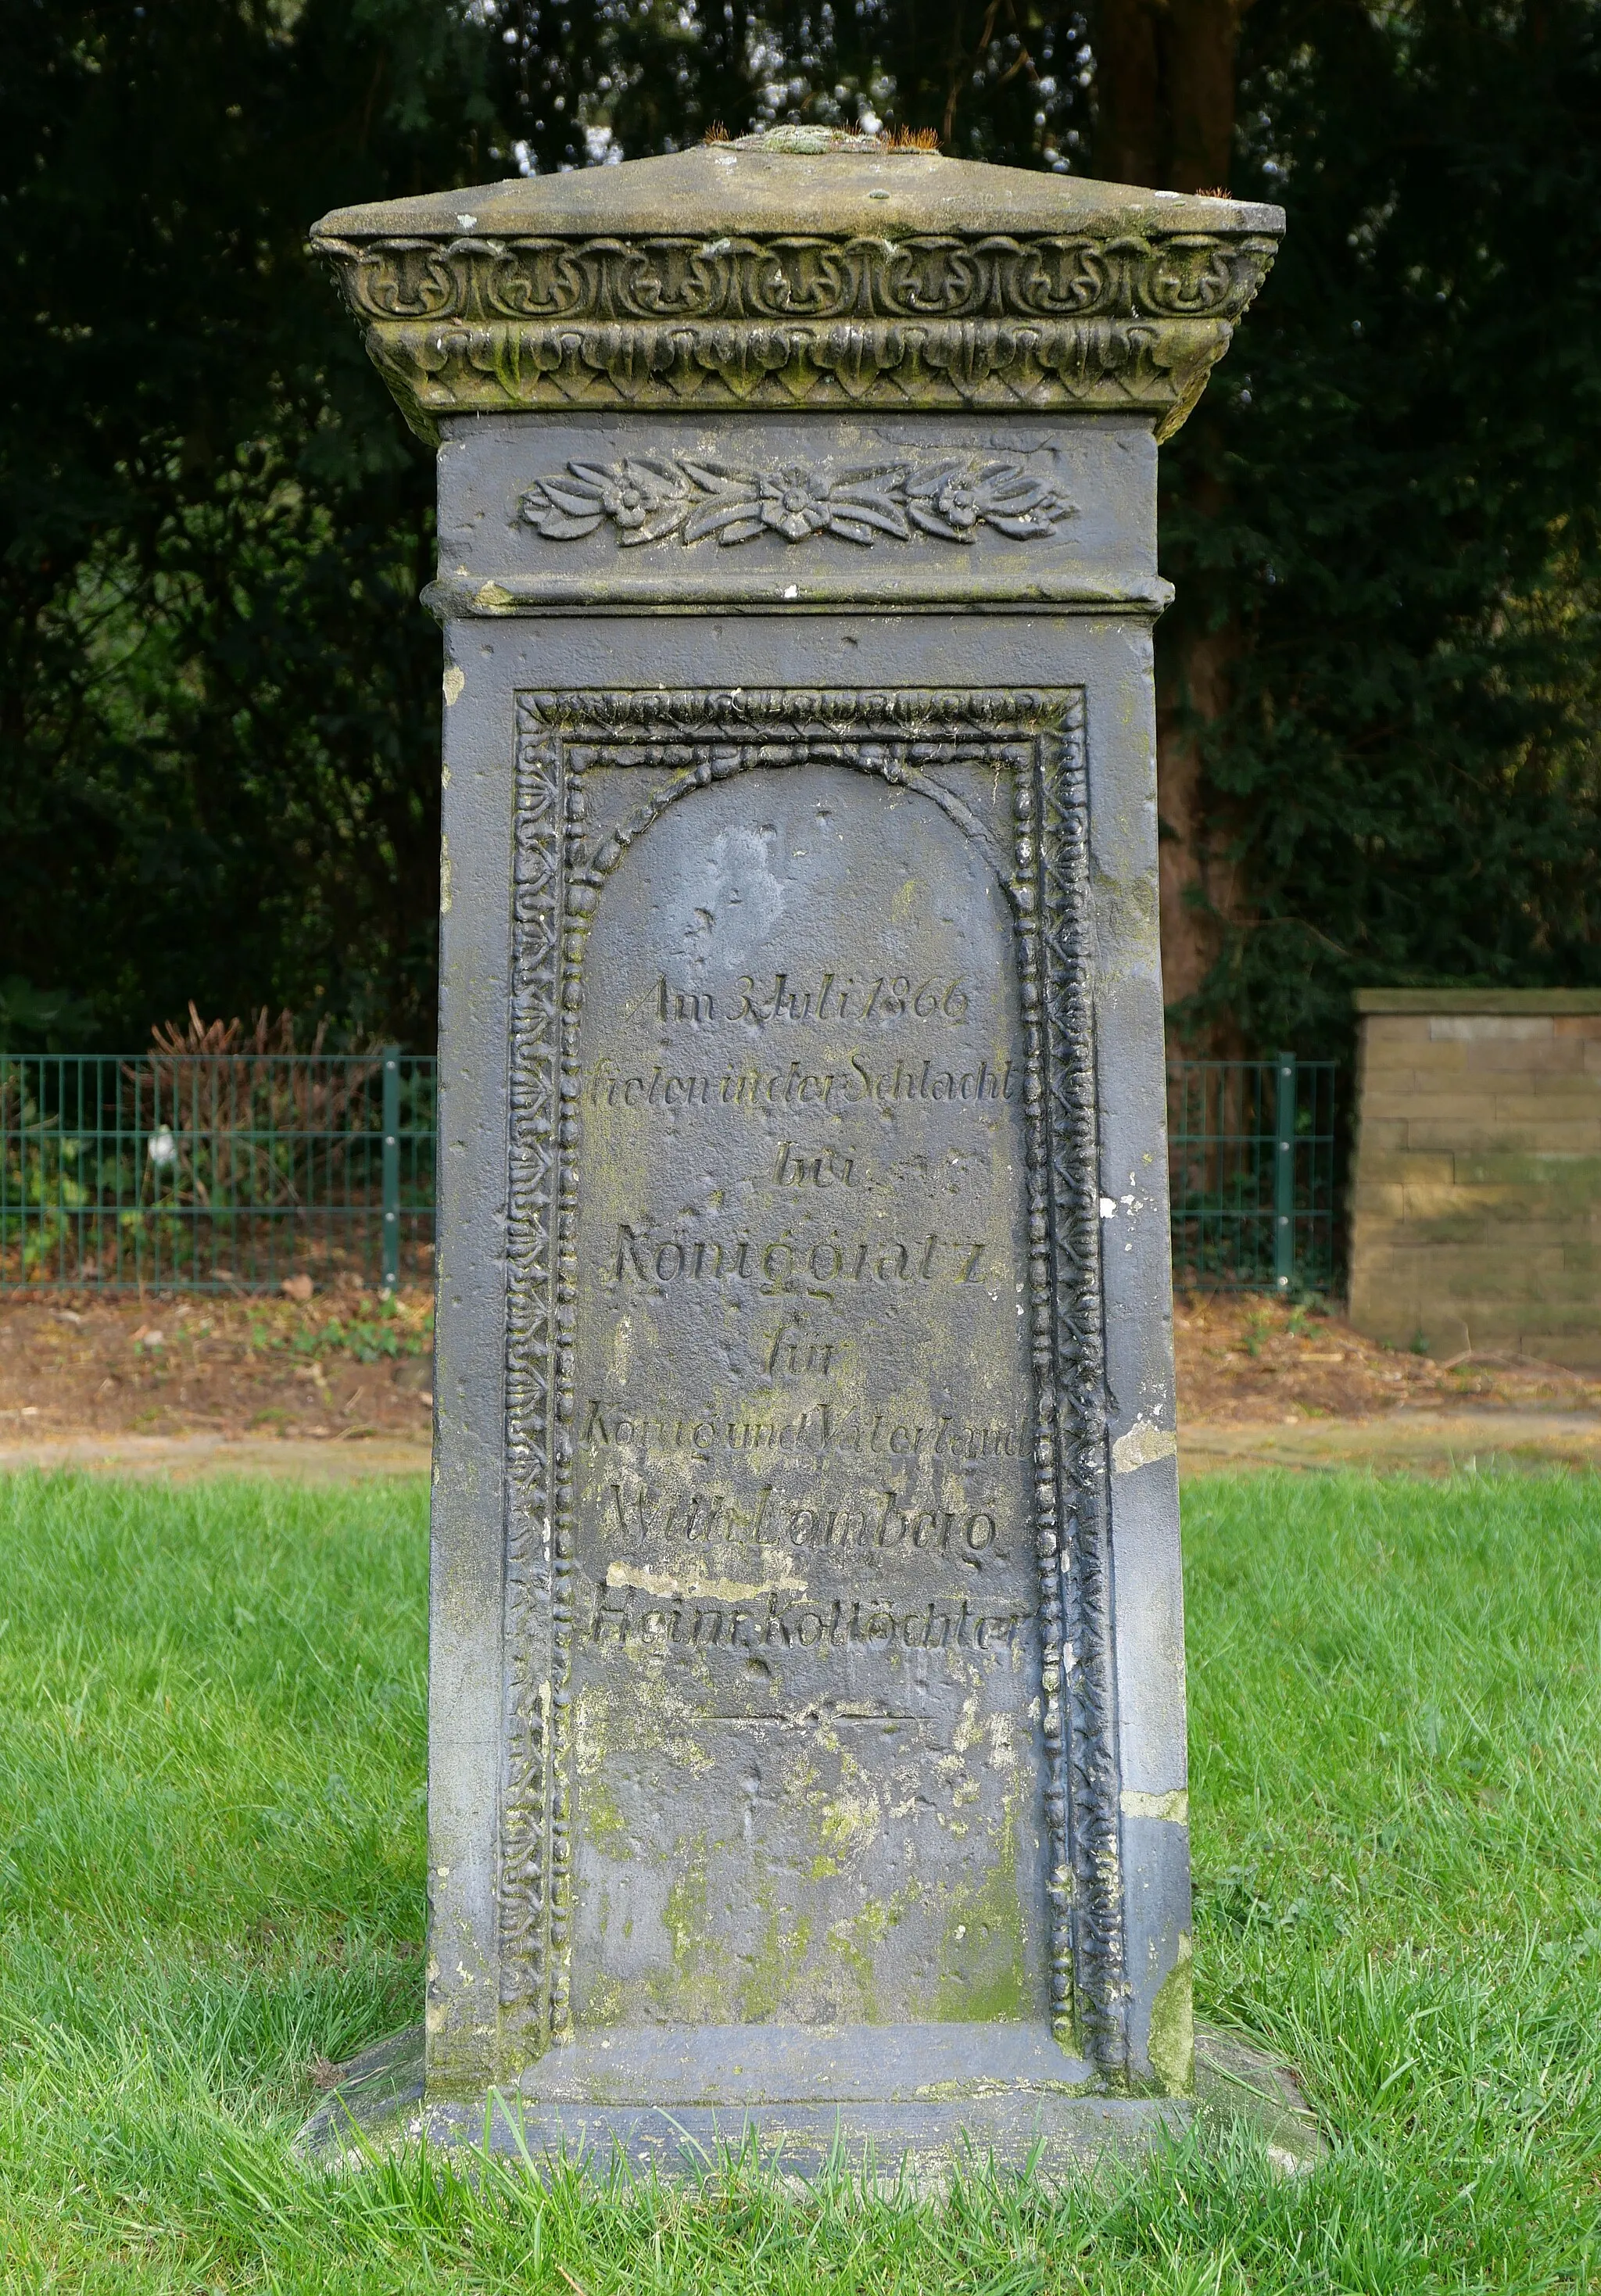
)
(529, 1815)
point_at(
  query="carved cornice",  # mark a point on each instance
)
(1105, 321)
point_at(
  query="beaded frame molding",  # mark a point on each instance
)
(688, 739)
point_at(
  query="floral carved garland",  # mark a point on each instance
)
(661, 497)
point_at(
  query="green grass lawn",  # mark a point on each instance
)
(212, 1748)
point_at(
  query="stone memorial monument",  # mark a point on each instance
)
(807, 1701)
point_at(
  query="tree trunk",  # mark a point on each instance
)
(1197, 885)
(1203, 37)
(1164, 117)
(1128, 93)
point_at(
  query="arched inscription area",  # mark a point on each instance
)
(803, 1732)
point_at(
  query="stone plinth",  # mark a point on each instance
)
(806, 1706)
(1476, 1208)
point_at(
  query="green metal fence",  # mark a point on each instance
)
(180, 1171)
(1251, 1170)
(204, 1172)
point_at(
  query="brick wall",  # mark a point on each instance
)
(1476, 1205)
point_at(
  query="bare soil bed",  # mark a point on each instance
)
(337, 1366)
(1244, 1360)
(348, 1365)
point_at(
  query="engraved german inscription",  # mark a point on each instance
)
(802, 1422)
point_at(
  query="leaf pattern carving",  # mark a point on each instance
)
(661, 498)
(1114, 319)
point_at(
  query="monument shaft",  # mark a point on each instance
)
(806, 1716)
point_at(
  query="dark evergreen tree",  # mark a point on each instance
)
(1391, 516)
(218, 695)
(218, 692)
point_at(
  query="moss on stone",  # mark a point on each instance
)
(982, 1974)
(684, 1917)
(600, 1818)
(1172, 2047)
(781, 1951)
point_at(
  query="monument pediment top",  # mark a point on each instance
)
(746, 275)
(838, 192)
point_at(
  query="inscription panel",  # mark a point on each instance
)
(806, 1672)
(809, 1693)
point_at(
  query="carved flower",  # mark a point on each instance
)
(796, 502)
(955, 499)
(645, 498)
(630, 499)
(959, 502)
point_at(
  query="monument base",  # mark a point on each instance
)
(922, 2100)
